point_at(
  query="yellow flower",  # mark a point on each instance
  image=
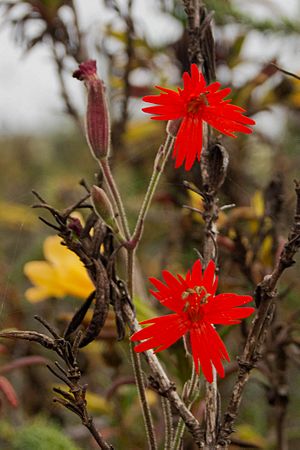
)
(61, 274)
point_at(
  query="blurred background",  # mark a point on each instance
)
(139, 44)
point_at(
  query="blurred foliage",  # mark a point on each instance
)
(250, 233)
(229, 12)
(41, 436)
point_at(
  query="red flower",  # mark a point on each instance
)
(196, 308)
(194, 103)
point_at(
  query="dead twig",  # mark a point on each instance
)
(265, 295)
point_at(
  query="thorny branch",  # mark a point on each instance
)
(265, 295)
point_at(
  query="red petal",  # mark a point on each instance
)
(213, 87)
(215, 338)
(216, 97)
(209, 277)
(208, 348)
(223, 309)
(226, 120)
(188, 144)
(201, 353)
(197, 273)
(187, 82)
(164, 332)
(169, 105)
(169, 297)
(231, 300)
(198, 80)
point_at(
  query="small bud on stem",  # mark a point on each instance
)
(103, 207)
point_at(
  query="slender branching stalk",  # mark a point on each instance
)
(189, 395)
(168, 421)
(115, 195)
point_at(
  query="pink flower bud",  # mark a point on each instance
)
(97, 116)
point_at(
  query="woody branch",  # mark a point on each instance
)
(265, 296)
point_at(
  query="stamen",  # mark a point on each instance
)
(196, 103)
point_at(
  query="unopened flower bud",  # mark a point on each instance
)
(103, 207)
(97, 116)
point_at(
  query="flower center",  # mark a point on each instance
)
(196, 297)
(195, 104)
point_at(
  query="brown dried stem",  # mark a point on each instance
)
(201, 51)
(265, 295)
(74, 398)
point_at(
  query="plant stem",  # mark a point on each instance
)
(188, 396)
(136, 364)
(98, 436)
(138, 374)
(166, 407)
(114, 192)
(265, 294)
(211, 410)
(163, 383)
(133, 240)
(159, 164)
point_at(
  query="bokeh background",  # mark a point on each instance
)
(138, 45)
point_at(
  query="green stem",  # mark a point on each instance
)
(114, 192)
(189, 392)
(136, 364)
(166, 407)
(159, 164)
(138, 374)
(133, 242)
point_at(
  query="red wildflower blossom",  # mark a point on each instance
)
(196, 309)
(195, 103)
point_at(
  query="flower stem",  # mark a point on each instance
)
(114, 192)
(136, 364)
(166, 407)
(189, 394)
(138, 374)
(211, 409)
(159, 164)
